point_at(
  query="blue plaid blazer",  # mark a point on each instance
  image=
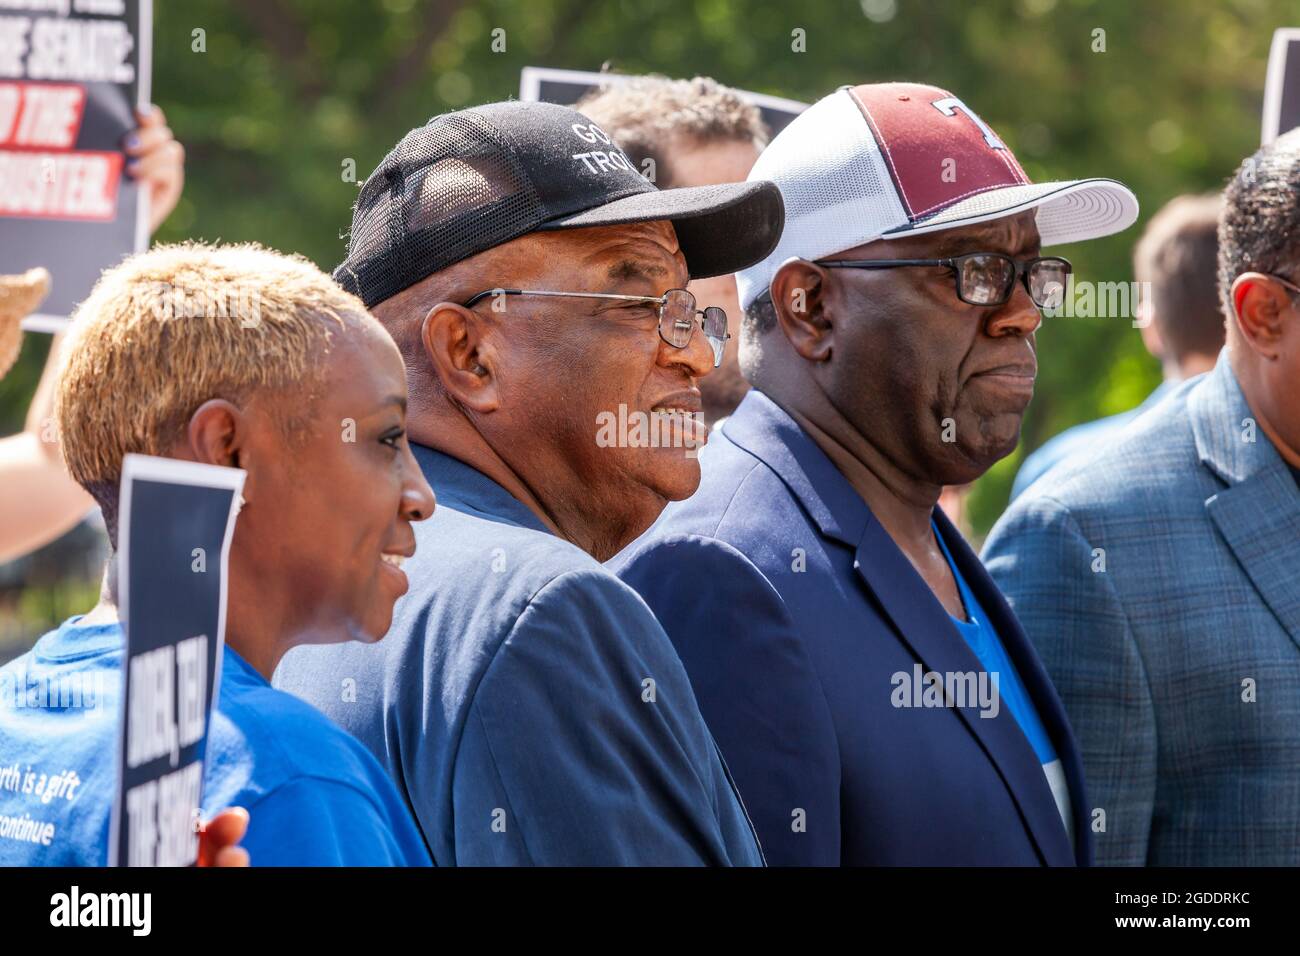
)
(1160, 583)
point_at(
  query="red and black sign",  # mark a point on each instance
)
(72, 73)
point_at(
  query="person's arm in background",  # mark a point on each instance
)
(757, 689)
(40, 502)
(567, 759)
(1041, 561)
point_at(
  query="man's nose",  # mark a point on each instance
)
(696, 357)
(1019, 316)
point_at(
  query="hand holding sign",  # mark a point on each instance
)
(157, 162)
(172, 606)
(219, 839)
(70, 80)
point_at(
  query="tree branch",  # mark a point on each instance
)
(287, 37)
(406, 68)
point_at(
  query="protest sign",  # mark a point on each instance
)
(176, 521)
(1282, 85)
(72, 73)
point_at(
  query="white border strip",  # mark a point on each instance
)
(40, 322)
(1282, 37)
(144, 94)
(174, 472)
(531, 78)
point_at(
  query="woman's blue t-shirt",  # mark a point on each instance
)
(315, 795)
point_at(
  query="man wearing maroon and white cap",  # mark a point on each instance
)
(872, 692)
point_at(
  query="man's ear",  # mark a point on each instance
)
(456, 345)
(1261, 305)
(798, 293)
(1150, 332)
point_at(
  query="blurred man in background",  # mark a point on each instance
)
(1181, 321)
(890, 341)
(693, 132)
(1158, 579)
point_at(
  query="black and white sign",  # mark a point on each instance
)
(72, 72)
(566, 87)
(176, 522)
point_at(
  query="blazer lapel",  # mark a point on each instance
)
(763, 429)
(1258, 512)
(1043, 694)
(924, 626)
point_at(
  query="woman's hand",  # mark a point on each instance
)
(157, 162)
(219, 839)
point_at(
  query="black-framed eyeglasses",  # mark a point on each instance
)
(677, 314)
(986, 278)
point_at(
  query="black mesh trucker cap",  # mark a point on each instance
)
(467, 181)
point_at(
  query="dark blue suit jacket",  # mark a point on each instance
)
(792, 610)
(526, 702)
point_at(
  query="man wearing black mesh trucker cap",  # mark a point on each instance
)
(526, 701)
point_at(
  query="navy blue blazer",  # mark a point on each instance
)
(794, 612)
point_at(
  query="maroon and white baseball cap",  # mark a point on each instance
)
(891, 159)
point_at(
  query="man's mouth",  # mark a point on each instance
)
(682, 415)
(394, 559)
(1011, 371)
(1011, 377)
(685, 402)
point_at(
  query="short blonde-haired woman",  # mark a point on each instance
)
(242, 357)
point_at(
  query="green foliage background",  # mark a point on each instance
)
(288, 90)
